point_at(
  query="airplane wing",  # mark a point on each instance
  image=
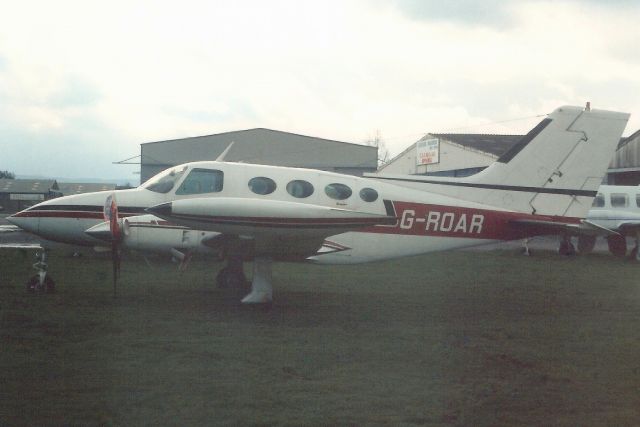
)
(542, 227)
(279, 229)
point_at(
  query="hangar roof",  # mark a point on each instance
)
(492, 144)
(28, 186)
(495, 145)
(69, 188)
(263, 146)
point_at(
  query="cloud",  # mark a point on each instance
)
(74, 91)
(490, 13)
(101, 80)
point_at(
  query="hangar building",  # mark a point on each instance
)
(71, 188)
(261, 146)
(625, 166)
(465, 154)
(19, 194)
(450, 154)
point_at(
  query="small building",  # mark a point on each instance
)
(466, 154)
(260, 146)
(450, 154)
(71, 188)
(625, 166)
(19, 194)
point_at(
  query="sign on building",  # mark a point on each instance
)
(428, 152)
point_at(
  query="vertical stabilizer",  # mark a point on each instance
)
(564, 159)
(555, 169)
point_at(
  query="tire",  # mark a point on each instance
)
(586, 244)
(49, 285)
(229, 279)
(33, 285)
(617, 245)
(566, 248)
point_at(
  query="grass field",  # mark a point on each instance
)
(459, 338)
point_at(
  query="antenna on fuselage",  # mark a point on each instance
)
(224, 153)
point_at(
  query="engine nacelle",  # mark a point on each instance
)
(150, 233)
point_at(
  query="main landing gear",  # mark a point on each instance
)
(635, 253)
(41, 281)
(232, 277)
(566, 247)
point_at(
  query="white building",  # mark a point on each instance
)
(450, 154)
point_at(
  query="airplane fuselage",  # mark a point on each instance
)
(369, 219)
(616, 207)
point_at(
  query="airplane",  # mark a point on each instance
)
(615, 208)
(245, 212)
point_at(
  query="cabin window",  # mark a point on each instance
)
(598, 201)
(262, 185)
(619, 200)
(368, 194)
(638, 200)
(164, 181)
(300, 188)
(201, 181)
(337, 191)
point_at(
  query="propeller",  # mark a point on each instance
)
(111, 216)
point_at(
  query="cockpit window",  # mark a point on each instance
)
(202, 181)
(164, 181)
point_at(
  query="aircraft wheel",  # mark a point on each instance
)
(230, 279)
(586, 244)
(33, 285)
(566, 248)
(617, 245)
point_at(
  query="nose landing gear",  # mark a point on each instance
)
(41, 281)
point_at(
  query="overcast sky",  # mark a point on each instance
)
(83, 83)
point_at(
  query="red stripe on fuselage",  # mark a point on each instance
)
(417, 219)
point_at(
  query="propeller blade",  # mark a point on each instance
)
(111, 216)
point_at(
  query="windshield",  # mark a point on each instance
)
(164, 181)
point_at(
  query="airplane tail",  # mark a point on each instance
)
(555, 169)
(558, 166)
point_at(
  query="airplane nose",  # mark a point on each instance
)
(161, 210)
(24, 220)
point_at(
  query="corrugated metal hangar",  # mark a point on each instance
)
(70, 188)
(466, 154)
(262, 146)
(18, 194)
(625, 167)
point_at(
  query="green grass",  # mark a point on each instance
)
(458, 338)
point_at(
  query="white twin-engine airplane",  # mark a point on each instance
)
(615, 208)
(544, 185)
